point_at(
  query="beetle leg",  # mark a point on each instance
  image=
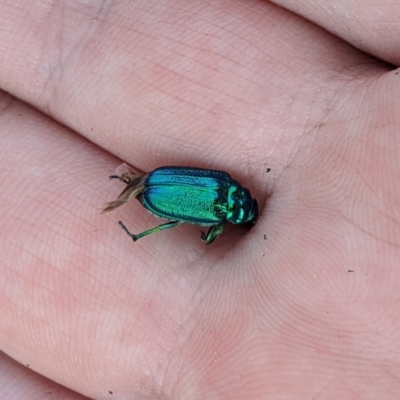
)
(132, 190)
(125, 173)
(123, 178)
(158, 228)
(212, 233)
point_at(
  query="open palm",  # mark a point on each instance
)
(303, 305)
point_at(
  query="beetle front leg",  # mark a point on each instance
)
(158, 228)
(212, 233)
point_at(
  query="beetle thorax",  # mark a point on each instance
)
(240, 205)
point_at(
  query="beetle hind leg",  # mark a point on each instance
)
(158, 228)
(133, 189)
(123, 178)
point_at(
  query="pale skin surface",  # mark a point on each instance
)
(312, 311)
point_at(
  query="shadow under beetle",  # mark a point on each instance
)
(185, 194)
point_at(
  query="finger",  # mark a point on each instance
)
(204, 88)
(368, 25)
(19, 382)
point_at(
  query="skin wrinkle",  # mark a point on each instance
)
(57, 12)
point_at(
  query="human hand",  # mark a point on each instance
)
(310, 311)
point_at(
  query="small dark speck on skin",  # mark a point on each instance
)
(263, 255)
(268, 169)
(265, 237)
(350, 270)
(110, 392)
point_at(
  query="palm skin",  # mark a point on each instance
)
(304, 304)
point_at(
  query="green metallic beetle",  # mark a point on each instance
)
(185, 194)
